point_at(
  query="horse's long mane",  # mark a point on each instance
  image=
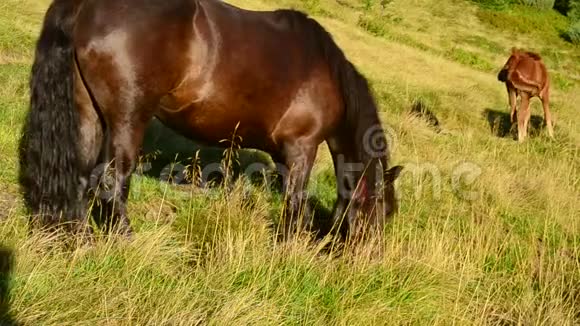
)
(361, 114)
(361, 108)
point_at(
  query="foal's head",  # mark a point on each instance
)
(510, 64)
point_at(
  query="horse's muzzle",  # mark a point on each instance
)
(502, 76)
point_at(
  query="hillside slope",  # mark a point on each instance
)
(488, 232)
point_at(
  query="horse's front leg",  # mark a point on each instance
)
(513, 102)
(299, 158)
(523, 117)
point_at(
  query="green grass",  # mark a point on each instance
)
(524, 19)
(573, 33)
(508, 255)
(470, 59)
(483, 44)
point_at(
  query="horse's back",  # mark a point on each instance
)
(204, 66)
(526, 71)
(163, 39)
(100, 17)
(534, 68)
(263, 64)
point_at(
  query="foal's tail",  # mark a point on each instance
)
(50, 166)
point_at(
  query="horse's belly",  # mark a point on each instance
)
(218, 126)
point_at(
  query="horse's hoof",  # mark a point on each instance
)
(128, 234)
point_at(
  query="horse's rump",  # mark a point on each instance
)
(534, 55)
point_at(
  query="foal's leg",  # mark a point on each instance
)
(513, 102)
(523, 116)
(545, 96)
(298, 156)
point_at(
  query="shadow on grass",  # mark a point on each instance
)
(564, 34)
(422, 110)
(163, 148)
(501, 126)
(322, 220)
(6, 265)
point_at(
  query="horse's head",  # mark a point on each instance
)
(378, 205)
(390, 203)
(509, 65)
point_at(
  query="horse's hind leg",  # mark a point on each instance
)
(126, 137)
(126, 122)
(90, 142)
(111, 72)
(523, 116)
(545, 96)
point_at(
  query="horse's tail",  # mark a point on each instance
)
(49, 157)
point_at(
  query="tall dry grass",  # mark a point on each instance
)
(488, 231)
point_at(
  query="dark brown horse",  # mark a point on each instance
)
(103, 69)
(525, 75)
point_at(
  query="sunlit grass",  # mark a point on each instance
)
(508, 255)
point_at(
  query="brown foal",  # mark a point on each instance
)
(525, 75)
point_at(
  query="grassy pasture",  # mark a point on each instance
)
(488, 232)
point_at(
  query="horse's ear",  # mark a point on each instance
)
(393, 173)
